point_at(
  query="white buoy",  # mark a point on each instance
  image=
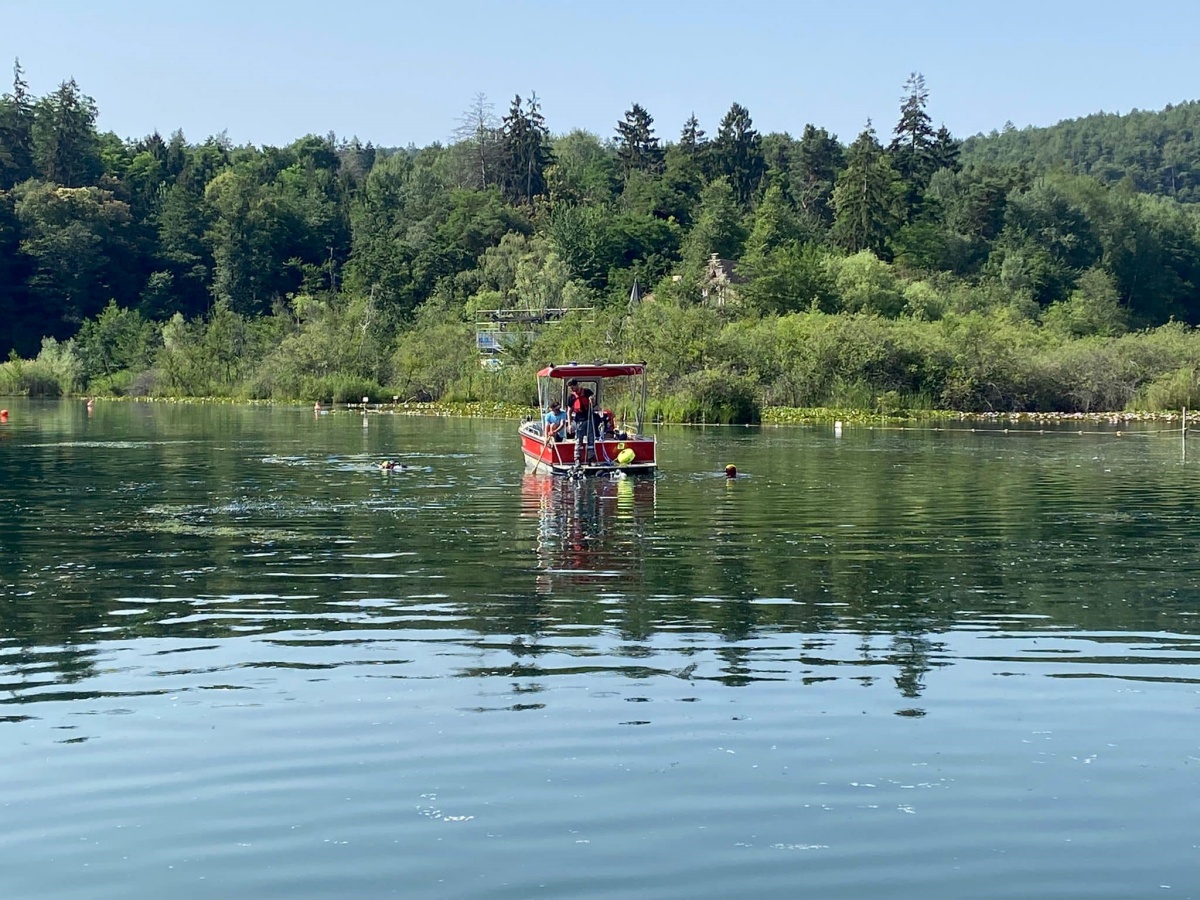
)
(837, 428)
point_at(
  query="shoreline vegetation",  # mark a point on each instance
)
(771, 417)
(1041, 274)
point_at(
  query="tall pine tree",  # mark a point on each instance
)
(866, 197)
(818, 160)
(737, 153)
(66, 148)
(637, 146)
(945, 150)
(913, 136)
(691, 140)
(524, 151)
(16, 132)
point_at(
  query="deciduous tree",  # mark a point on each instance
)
(78, 243)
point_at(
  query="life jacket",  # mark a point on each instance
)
(580, 404)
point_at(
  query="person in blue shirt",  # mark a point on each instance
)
(555, 421)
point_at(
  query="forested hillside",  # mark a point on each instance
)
(1148, 152)
(1037, 269)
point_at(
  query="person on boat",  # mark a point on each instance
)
(606, 424)
(554, 422)
(580, 404)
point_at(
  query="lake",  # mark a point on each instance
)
(239, 660)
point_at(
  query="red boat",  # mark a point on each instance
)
(610, 437)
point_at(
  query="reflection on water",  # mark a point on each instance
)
(591, 531)
(463, 680)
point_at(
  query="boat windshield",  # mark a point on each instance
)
(619, 388)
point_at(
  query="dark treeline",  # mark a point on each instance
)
(1049, 268)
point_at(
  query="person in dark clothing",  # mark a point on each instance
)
(606, 426)
(580, 405)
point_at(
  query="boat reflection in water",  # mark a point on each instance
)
(591, 531)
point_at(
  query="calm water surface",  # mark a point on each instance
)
(238, 660)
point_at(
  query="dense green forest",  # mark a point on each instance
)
(1042, 269)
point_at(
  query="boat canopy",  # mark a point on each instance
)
(600, 370)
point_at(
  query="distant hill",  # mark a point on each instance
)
(1158, 152)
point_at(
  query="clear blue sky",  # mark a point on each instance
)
(402, 72)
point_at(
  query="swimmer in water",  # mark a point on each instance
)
(390, 466)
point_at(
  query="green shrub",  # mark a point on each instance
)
(718, 398)
(1179, 389)
(865, 284)
(340, 388)
(118, 384)
(889, 403)
(55, 372)
(10, 376)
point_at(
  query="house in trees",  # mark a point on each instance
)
(718, 284)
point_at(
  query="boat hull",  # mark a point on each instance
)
(558, 457)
